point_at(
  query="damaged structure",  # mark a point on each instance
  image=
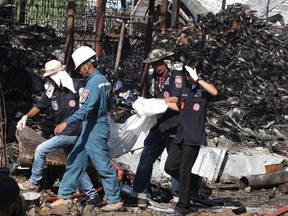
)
(244, 55)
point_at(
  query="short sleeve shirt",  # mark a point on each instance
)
(172, 85)
(64, 103)
(191, 122)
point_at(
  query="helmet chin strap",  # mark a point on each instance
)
(86, 70)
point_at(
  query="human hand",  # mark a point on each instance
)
(59, 128)
(22, 123)
(192, 72)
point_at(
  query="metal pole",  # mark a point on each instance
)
(267, 11)
(69, 36)
(175, 12)
(100, 22)
(119, 51)
(22, 11)
(163, 14)
(264, 180)
(223, 4)
(131, 14)
(147, 47)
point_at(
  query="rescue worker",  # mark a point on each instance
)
(190, 135)
(61, 93)
(168, 86)
(92, 144)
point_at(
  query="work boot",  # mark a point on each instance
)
(28, 186)
(96, 201)
(202, 191)
(112, 207)
(135, 202)
(58, 202)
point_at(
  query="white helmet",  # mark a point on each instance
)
(81, 55)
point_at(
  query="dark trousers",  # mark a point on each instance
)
(179, 163)
(154, 145)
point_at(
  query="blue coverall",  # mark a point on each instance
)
(91, 146)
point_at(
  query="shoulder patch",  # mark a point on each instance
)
(84, 95)
(178, 81)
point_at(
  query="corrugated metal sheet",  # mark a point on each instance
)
(260, 6)
(214, 6)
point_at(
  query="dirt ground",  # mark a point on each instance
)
(218, 202)
(256, 203)
(227, 202)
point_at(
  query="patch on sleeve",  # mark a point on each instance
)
(166, 94)
(182, 105)
(178, 81)
(196, 107)
(72, 103)
(84, 95)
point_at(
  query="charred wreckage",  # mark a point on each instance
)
(245, 57)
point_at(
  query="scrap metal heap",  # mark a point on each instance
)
(246, 59)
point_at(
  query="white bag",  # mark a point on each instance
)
(151, 106)
(124, 136)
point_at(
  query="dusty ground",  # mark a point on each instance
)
(248, 202)
(230, 202)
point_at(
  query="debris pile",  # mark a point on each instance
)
(246, 58)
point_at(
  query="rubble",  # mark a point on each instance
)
(244, 56)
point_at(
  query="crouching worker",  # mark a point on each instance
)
(91, 146)
(61, 93)
(190, 135)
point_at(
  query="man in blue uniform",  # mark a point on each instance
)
(62, 95)
(190, 135)
(92, 144)
(168, 86)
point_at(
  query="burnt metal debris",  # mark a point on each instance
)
(244, 56)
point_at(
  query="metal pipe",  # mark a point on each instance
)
(100, 20)
(223, 4)
(163, 14)
(264, 180)
(147, 47)
(69, 36)
(175, 12)
(118, 57)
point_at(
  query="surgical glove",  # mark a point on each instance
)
(22, 123)
(192, 72)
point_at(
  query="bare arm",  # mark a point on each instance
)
(33, 112)
(173, 99)
(208, 87)
(172, 106)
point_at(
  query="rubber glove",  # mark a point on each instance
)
(22, 123)
(193, 73)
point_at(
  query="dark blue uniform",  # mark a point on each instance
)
(64, 103)
(171, 86)
(162, 134)
(185, 148)
(191, 121)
